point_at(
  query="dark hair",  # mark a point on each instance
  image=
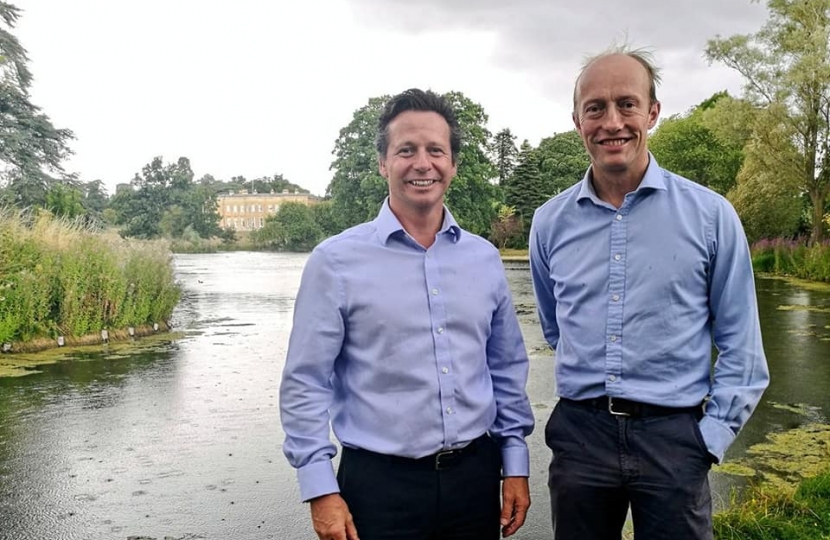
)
(418, 100)
(642, 55)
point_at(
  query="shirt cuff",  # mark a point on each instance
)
(317, 479)
(716, 435)
(515, 461)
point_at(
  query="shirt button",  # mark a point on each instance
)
(612, 378)
(434, 291)
(617, 257)
(445, 370)
(440, 329)
(619, 217)
(449, 410)
(615, 298)
(613, 338)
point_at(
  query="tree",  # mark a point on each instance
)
(31, 148)
(357, 189)
(292, 228)
(562, 161)
(685, 145)
(164, 200)
(65, 201)
(786, 66)
(471, 194)
(506, 153)
(525, 191)
(767, 196)
(507, 228)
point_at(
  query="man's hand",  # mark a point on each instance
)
(515, 502)
(332, 519)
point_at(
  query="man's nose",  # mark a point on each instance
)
(422, 162)
(613, 120)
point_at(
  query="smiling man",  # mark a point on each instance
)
(637, 271)
(406, 342)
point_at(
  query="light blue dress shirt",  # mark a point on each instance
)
(406, 351)
(632, 299)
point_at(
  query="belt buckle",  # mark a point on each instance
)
(444, 454)
(612, 411)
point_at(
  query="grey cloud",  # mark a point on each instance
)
(539, 33)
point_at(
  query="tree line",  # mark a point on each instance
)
(765, 150)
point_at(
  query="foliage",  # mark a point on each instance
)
(767, 194)
(505, 154)
(792, 258)
(274, 184)
(292, 228)
(525, 191)
(562, 161)
(164, 201)
(58, 278)
(65, 201)
(775, 514)
(507, 228)
(687, 146)
(31, 148)
(471, 195)
(357, 189)
(786, 66)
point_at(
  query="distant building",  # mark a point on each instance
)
(243, 211)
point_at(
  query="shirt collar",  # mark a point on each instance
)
(387, 224)
(653, 179)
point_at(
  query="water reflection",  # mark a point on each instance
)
(184, 440)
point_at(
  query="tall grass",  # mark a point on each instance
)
(792, 258)
(772, 514)
(60, 278)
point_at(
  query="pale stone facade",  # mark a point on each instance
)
(243, 211)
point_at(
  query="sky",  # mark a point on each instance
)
(263, 87)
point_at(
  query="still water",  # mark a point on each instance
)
(180, 438)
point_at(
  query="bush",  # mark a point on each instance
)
(58, 277)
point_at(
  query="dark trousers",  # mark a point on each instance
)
(603, 463)
(404, 499)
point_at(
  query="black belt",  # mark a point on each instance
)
(438, 461)
(635, 409)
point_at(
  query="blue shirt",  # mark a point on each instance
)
(406, 351)
(632, 298)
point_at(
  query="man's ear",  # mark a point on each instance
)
(382, 166)
(575, 118)
(653, 114)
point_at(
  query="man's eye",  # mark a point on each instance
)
(405, 151)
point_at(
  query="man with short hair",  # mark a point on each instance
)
(637, 271)
(405, 339)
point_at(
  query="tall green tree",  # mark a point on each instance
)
(31, 148)
(292, 228)
(687, 146)
(165, 200)
(786, 67)
(356, 188)
(525, 190)
(562, 161)
(472, 193)
(505, 153)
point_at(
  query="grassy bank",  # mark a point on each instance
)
(61, 279)
(773, 513)
(792, 258)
